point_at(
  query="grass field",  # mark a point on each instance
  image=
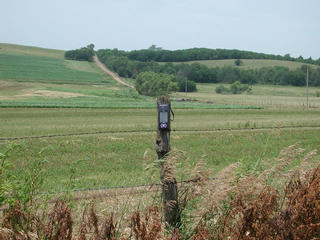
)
(27, 68)
(261, 95)
(43, 94)
(125, 158)
(122, 160)
(252, 63)
(6, 48)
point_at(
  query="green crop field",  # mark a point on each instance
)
(33, 51)
(27, 68)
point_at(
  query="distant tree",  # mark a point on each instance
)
(238, 62)
(287, 57)
(91, 46)
(155, 84)
(82, 54)
(185, 84)
(154, 47)
(300, 58)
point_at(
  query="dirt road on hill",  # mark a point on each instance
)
(112, 74)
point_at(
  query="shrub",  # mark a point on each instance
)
(235, 88)
(182, 81)
(238, 62)
(238, 88)
(222, 89)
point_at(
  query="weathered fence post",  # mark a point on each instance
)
(168, 182)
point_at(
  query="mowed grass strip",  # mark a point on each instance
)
(124, 160)
(18, 122)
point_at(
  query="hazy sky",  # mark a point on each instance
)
(268, 26)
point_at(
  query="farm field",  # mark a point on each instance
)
(115, 157)
(269, 96)
(251, 63)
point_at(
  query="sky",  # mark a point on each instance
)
(267, 26)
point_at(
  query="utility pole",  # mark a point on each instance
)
(307, 88)
(168, 182)
(186, 90)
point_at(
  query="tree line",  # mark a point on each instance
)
(81, 54)
(120, 62)
(160, 55)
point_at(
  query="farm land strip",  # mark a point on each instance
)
(129, 159)
(251, 63)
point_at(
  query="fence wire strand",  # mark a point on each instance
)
(150, 131)
(120, 187)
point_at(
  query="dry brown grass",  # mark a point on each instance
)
(227, 208)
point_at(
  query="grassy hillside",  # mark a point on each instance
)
(28, 68)
(37, 77)
(27, 50)
(252, 63)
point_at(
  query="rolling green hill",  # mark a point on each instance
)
(252, 63)
(27, 50)
(38, 77)
(31, 64)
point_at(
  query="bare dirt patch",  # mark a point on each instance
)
(109, 72)
(42, 93)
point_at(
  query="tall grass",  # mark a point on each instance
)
(249, 209)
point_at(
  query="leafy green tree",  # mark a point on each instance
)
(185, 84)
(91, 46)
(82, 54)
(155, 84)
(154, 47)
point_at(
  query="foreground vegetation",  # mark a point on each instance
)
(259, 201)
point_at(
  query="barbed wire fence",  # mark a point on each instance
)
(134, 189)
(154, 131)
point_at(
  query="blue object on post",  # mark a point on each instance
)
(164, 117)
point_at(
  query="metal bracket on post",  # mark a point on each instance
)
(169, 184)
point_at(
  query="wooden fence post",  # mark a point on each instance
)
(168, 182)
